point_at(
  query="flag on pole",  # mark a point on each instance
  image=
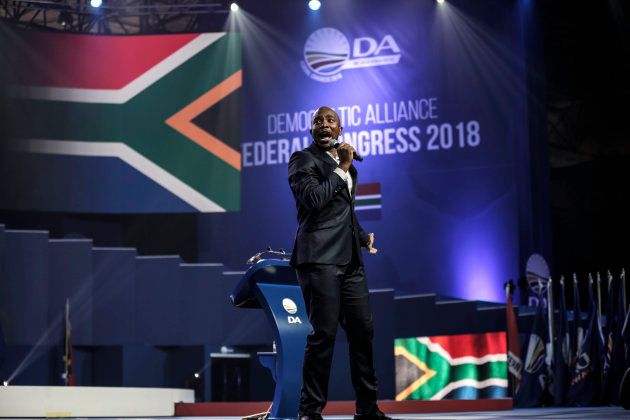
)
(68, 374)
(610, 379)
(533, 388)
(515, 362)
(577, 331)
(586, 377)
(625, 337)
(551, 339)
(562, 352)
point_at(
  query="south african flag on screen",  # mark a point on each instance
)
(466, 366)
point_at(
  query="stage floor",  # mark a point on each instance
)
(531, 413)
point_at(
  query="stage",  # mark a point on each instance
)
(531, 413)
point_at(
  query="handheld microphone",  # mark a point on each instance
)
(355, 155)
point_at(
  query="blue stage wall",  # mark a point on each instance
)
(434, 96)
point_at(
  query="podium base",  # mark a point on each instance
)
(260, 416)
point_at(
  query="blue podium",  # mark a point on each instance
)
(272, 285)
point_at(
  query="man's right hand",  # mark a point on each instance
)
(345, 152)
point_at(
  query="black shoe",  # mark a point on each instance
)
(377, 415)
(310, 416)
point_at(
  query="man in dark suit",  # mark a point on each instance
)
(329, 264)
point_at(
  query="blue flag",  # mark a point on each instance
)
(533, 389)
(586, 378)
(562, 351)
(577, 330)
(609, 341)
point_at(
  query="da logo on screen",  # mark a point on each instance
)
(327, 52)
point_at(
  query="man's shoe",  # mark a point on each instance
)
(377, 415)
(311, 416)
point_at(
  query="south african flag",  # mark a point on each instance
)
(124, 124)
(467, 366)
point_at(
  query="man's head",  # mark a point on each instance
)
(325, 127)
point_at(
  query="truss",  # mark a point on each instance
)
(116, 17)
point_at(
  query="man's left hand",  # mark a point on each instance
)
(369, 246)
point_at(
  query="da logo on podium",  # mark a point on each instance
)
(291, 308)
(327, 52)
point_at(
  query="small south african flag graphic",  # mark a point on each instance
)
(367, 201)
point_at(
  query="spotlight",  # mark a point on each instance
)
(196, 375)
(5, 383)
(314, 4)
(96, 3)
(234, 7)
(440, 1)
(65, 19)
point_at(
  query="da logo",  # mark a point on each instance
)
(327, 52)
(291, 308)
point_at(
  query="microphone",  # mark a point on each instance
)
(355, 155)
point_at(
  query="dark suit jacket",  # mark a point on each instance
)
(328, 227)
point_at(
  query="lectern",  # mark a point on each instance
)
(272, 285)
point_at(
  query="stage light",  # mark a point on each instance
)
(196, 375)
(96, 3)
(440, 1)
(234, 7)
(65, 19)
(5, 383)
(314, 4)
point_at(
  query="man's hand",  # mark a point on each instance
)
(345, 152)
(369, 246)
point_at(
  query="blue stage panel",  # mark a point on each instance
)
(242, 327)
(107, 366)
(144, 366)
(24, 284)
(490, 318)
(31, 365)
(384, 313)
(454, 317)
(114, 296)
(340, 386)
(158, 296)
(70, 278)
(414, 315)
(202, 303)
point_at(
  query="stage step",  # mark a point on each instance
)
(347, 408)
(135, 315)
(70, 278)
(159, 300)
(114, 296)
(76, 401)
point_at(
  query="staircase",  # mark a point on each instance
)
(154, 320)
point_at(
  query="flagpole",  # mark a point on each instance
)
(577, 318)
(550, 315)
(623, 289)
(599, 298)
(65, 333)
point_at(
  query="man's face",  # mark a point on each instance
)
(325, 127)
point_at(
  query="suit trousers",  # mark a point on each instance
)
(337, 295)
